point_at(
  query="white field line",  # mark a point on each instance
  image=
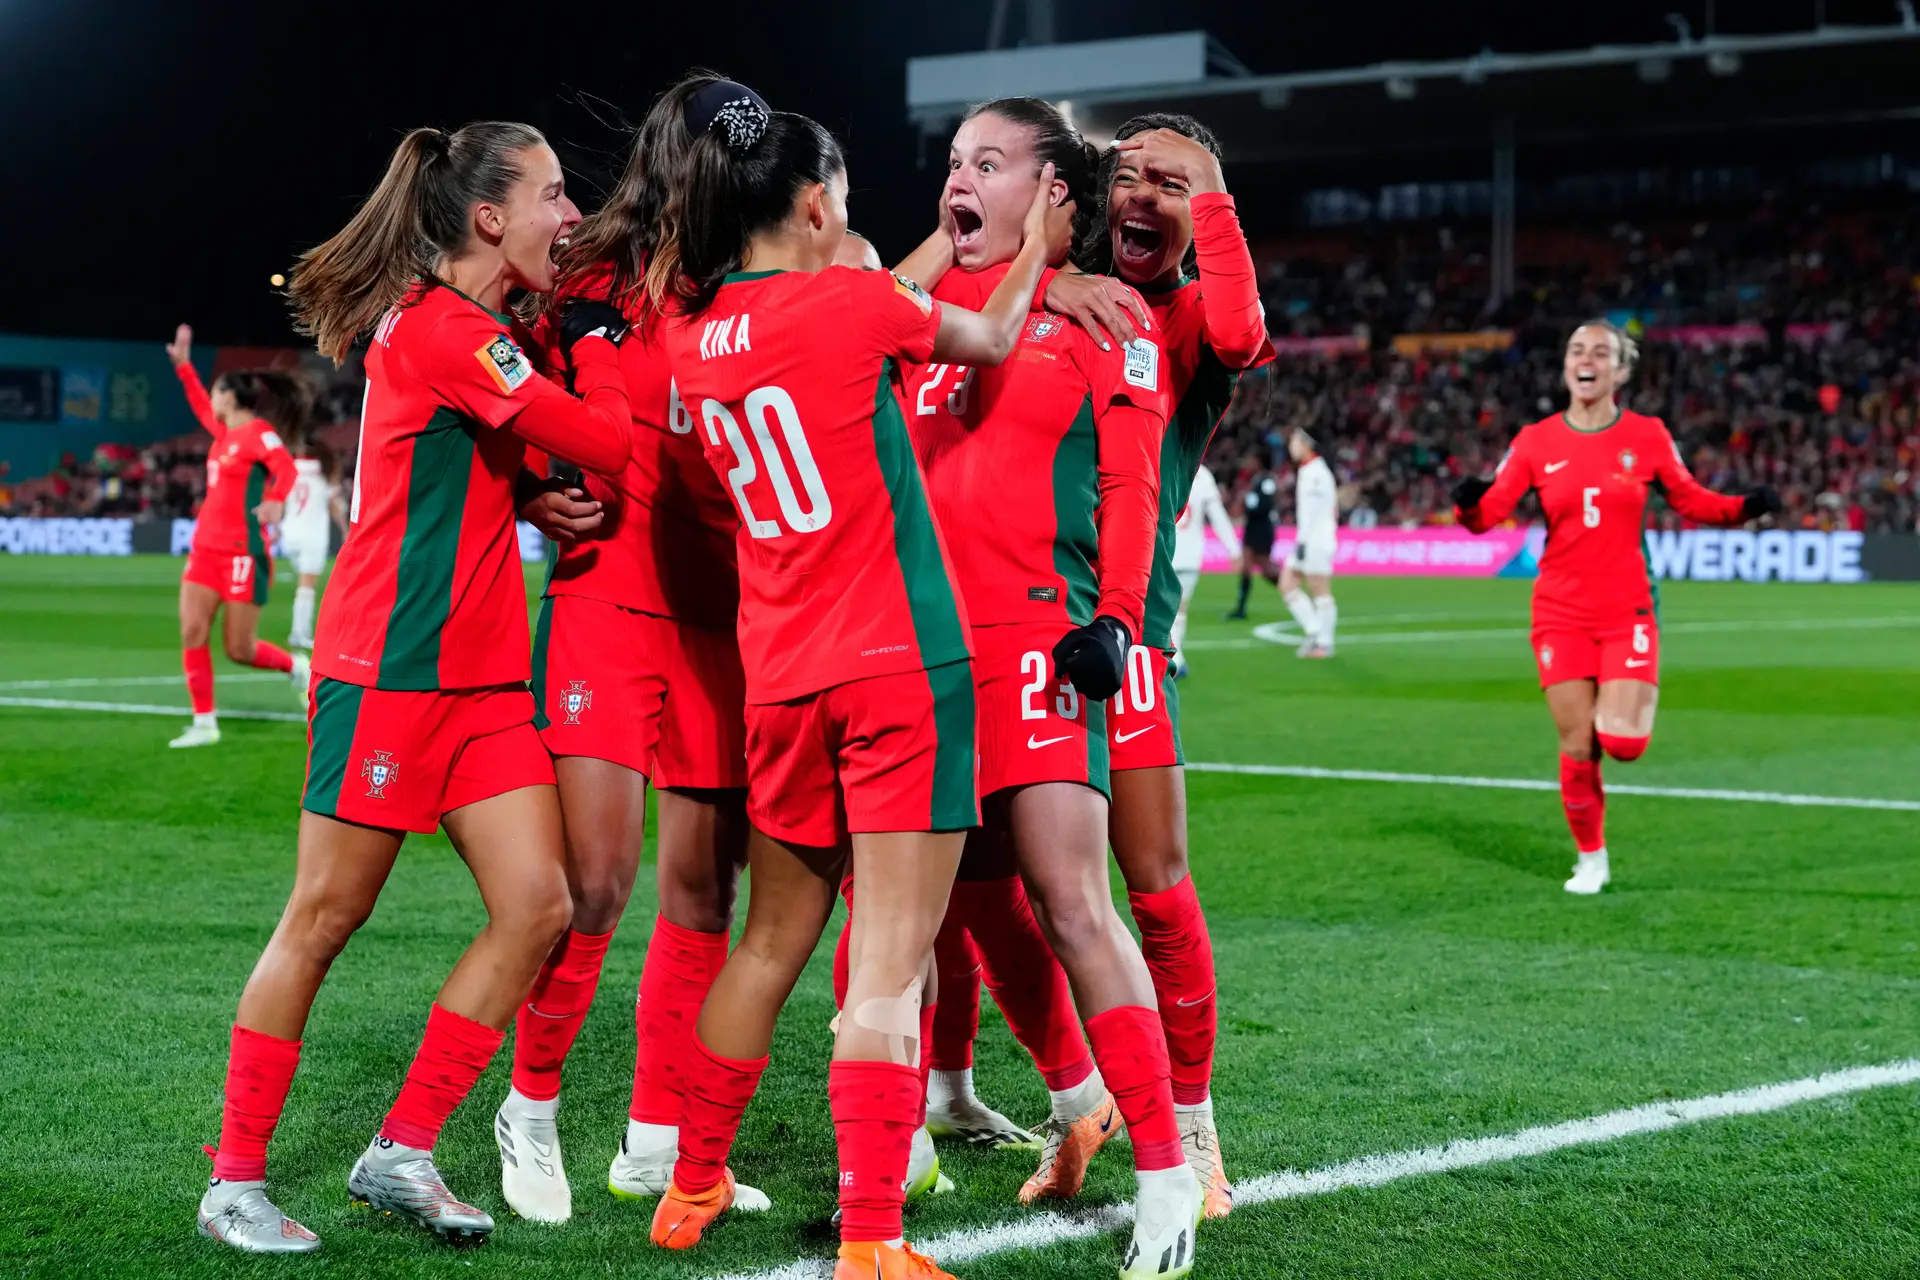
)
(96, 682)
(1537, 784)
(1278, 632)
(149, 709)
(1045, 1229)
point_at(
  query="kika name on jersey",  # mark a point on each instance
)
(505, 363)
(725, 337)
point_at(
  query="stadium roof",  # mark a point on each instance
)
(1712, 84)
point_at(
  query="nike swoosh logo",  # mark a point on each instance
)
(1106, 1125)
(1188, 1004)
(1129, 737)
(1638, 662)
(1552, 467)
(1035, 744)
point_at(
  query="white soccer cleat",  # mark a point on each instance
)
(643, 1166)
(301, 676)
(1590, 873)
(532, 1177)
(239, 1214)
(199, 734)
(972, 1120)
(1166, 1216)
(923, 1169)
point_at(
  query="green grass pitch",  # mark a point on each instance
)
(1398, 965)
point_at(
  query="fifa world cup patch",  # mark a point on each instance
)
(1143, 364)
(574, 699)
(505, 363)
(379, 770)
(912, 292)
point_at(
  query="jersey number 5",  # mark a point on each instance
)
(1589, 514)
(761, 404)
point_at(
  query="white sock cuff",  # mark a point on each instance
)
(533, 1108)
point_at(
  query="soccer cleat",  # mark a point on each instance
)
(681, 1219)
(1166, 1216)
(972, 1120)
(876, 1261)
(1200, 1142)
(1234, 615)
(239, 1214)
(302, 674)
(923, 1169)
(1069, 1145)
(641, 1175)
(533, 1178)
(403, 1181)
(1312, 650)
(1590, 873)
(198, 735)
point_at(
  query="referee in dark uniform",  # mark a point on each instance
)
(1256, 540)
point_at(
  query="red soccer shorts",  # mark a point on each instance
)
(238, 579)
(888, 753)
(391, 758)
(1630, 651)
(1143, 719)
(654, 694)
(1034, 726)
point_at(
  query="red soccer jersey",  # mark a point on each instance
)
(246, 466)
(667, 544)
(1593, 487)
(843, 574)
(1044, 471)
(428, 591)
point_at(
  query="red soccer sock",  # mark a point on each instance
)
(260, 1070)
(1132, 1052)
(1585, 801)
(1179, 955)
(929, 1015)
(957, 961)
(843, 963)
(547, 1023)
(198, 664)
(1622, 748)
(271, 657)
(452, 1054)
(876, 1108)
(681, 967)
(1026, 980)
(718, 1091)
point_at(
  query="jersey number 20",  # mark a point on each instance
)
(762, 404)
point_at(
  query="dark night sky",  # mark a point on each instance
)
(158, 162)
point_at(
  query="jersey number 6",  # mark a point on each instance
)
(760, 404)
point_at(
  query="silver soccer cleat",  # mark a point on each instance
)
(402, 1180)
(252, 1223)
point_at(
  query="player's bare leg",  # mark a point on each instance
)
(1320, 587)
(701, 847)
(198, 604)
(1571, 703)
(1623, 716)
(240, 635)
(1060, 835)
(1148, 831)
(305, 591)
(793, 892)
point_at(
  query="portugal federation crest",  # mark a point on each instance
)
(1626, 462)
(1044, 326)
(1546, 655)
(379, 770)
(574, 699)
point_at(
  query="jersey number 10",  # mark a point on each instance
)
(762, 404)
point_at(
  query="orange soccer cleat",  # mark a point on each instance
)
(1070, 1146)
(1200, 1142)
(865, 1261)
(680, 1217)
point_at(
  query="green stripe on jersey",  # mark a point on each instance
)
(1099, 753)
(1181, 449)
(336, 717)
(542, 635)
(437, 479)
(956, 802)
(923, 571)
(256, 494)
(1076, 493)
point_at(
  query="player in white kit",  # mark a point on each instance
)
(1204, 510)
(1316, 520)
(306, 532)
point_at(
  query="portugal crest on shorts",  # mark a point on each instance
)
(574, 699)
(1546, 655)
(379, 770)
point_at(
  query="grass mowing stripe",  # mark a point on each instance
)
(1277, 632)
(1537, 784)
(94, 682)
(1378, 1170)
(147, 709)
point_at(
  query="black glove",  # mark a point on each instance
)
(1094, 657)
(585, 317)
(1467, 494)
(1764, 501)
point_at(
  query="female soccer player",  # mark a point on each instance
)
(1173, 234)
(1050, 464)
(1205, 510)
(1596, 617)
(637, 676)
(420, 716)
(1316, 528)
(860, 696)
(314, 508)
(249, 473)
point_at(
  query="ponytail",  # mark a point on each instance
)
(742, 173)
(420, 214)
(275, 396)
(1076, 162)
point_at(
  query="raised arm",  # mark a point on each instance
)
(987, 336)
(180, 352)
(1229, 290)
(1697, 502)
(1479, 506)
(594, 431)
